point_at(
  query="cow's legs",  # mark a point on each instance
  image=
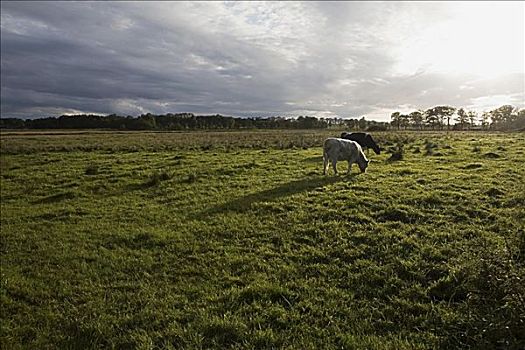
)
(325, 164)
(334, 165)
(349, 167)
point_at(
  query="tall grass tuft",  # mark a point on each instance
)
(397, 153)
(429, 148)
(157, 177)
(92, 169)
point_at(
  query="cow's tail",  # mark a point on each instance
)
(326, 146)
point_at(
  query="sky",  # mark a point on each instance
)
(323, 59)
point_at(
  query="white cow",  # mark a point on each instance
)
(335, 149)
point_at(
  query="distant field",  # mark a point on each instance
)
(14, 142)
(236, 240)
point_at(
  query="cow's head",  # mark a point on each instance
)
(372, 144)
(363, 164)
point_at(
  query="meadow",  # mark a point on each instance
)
(235, 240)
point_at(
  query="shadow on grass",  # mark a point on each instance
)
(243, 204)
(55, 198)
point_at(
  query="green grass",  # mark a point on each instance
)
(237, 240)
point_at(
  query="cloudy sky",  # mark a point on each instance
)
(345, 59)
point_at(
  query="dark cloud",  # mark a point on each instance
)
(237, 58)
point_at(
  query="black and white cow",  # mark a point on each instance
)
(364, 139)
(335, 149)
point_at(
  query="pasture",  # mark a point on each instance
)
(236, 240)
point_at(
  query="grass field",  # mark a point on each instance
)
(237, 240)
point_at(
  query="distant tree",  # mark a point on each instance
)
(42, 123)
(404, 121)
(500, 116)
(431, 117)
(306, 122)
(484, 120)
(148, 121)
(396, 120)
(514, 120)
(439, 113)
(462, 118)
(351, 124)
(362, 123)
(446, 112)
(416, 119)
(12, 123)
(520, 120)
(472, 116)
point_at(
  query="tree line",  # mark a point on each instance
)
(187, 121)
(505, 117)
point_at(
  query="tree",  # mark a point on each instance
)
(431, 117)
(501, 115)
(437, 115)
(484, 120)
(462, 118)
(395, 119)
(417, 118)
(444, 112)
(520, 120)
(12, 123)
(404, 121)
(351, 124)
(472, 116)
(362, 123)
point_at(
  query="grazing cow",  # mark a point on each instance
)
(364, 139)
(340, 149)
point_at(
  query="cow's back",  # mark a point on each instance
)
(359, 137)
(364, 139)
(341, 149)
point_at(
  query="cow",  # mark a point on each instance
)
(364, 139)
(335, 149)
